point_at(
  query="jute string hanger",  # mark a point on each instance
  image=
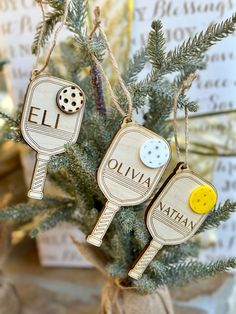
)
(98, 25)
(185, 86)
(35, 72)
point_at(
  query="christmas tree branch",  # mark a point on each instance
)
(22, 212)
(181, 274)
(186, 272)
(12, 122)
(156, 45)
(136, 65)
(178, 253)
(218, 216)
(196, 47)
(52, 219)
(75, 20)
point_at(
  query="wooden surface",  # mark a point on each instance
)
(170, 219)
(123, 177)
(47, 125)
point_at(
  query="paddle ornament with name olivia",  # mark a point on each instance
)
(129, 172)
(51, 118)
(176, 213)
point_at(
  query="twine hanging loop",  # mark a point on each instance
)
(98, 25)
(183, 88)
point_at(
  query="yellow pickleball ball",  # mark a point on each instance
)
(203, 199)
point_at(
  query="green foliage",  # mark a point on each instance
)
(58, 215)
(9, 119)
(52, 19)
(10, 130)
(24, 212)
(21, 213)
(155, 46)
(194, 49)
(2, 63)
(75, 20)
(136, 65)
(189, 271)
(181, 274)
(74, 172)
(178, 253)
(217, 216)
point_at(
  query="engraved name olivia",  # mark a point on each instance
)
(129, 172)
(177, 216)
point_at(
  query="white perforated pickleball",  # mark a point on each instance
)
(154, 153)
(70, 99)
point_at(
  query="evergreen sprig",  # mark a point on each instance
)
(156, 45)
(51, 220)
(219, 215)
(189, 271)
(22, 212)
(181, 274)
(195, 48)
(11, 121)
(51, 19)
(2, 63)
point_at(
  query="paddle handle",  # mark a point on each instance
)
(103, 224)
(39, 177)
(143, 262)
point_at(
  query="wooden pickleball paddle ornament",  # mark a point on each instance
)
(51, 118)
(176, 213)
(129, 172)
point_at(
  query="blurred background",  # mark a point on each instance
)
(51, 276)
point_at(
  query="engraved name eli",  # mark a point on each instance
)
(175, 215)
(129, 172)
(39, 116)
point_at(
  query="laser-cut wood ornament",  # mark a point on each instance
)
(176, 213)
(52, 116)
(129, 172)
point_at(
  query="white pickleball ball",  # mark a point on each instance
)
(154, 153)
(70, 99)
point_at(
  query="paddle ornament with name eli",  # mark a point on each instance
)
(176, 213)
(129, 172)
(51, 118)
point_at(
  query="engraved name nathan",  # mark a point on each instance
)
(176, 216)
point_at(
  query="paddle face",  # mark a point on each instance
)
(178, 211)
(133, 165)
(52, 114)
